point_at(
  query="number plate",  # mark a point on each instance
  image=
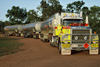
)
(65, 45)
(94, 45)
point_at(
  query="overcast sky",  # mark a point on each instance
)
(32, 4)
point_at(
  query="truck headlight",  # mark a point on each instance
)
(65, 37)
(95, 37)
(76, 37)
(85, 37)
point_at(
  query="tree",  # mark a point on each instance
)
(50, 8)
(94, 18)
(75, 6)
(6, 23)
(55, 6)
(44, 9)
(32, 16)
(16, 15)
(3, 24)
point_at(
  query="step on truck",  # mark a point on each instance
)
(68, 32)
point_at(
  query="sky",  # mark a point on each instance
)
(33, 4)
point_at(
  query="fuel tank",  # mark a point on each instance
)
(33, 26)
(46, 25)
(13, 28)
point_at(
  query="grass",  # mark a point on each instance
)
(9, 45)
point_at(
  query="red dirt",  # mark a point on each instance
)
(39, 54)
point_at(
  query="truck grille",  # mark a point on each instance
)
(82, 35)
(81, 31)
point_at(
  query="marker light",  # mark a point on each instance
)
(55, 27)
(66, 27)
(86, 24)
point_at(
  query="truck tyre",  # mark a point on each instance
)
(17, 35)
(25, 36)
(5, 34)
(34, 36)
(59, 47)
(8, 34)
(51, 43)
(37, 36)
(44, 40)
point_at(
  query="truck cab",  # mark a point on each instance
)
(70, 33)
(76, 35)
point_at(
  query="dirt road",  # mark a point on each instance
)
(39, 54)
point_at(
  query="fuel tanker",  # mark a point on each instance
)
(14, 30)
(32, 29)
(68, 32)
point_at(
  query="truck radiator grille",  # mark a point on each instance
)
(81, 31)
(82, 36)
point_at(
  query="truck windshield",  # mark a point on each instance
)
(67, 22)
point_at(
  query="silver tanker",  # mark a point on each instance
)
(46, 29)
(32, 29)
(14, 30)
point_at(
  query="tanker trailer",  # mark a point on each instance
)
(14, 30)
(46, 29)
(32, 30)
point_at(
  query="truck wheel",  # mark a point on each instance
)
(7, 34)
(44, 40)
(25, 36)
(51, 43)
(59, 47)
(37, 36)
(17, 35)
(34, 36)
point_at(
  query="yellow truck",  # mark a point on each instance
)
(68, 32)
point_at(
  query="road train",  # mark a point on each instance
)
(63, 30)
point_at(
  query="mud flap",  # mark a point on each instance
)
(65, 52)
(94, 51)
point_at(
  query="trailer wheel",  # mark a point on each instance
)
(17, 35)
(25, 36)
(5, 34)
(8, 34)
(34, 36)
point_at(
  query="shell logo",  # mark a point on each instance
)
(72, 15)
